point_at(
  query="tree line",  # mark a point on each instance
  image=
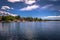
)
(18, 18)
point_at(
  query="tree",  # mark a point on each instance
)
(17, 17)
(29, 19)
(37, 19)
(7, 18)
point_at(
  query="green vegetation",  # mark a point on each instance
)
(18, 18)
(37, 19)
(10, 18)
(30, 19)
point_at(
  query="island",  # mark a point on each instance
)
(10, 18)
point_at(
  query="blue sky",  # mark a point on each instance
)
(31, 8)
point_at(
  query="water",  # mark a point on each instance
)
(49, 30)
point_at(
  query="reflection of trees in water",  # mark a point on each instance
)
(4, 30)
(27, 31)
(9, 31)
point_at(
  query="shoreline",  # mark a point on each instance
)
(28, 21)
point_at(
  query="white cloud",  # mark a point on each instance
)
(25, 1)
(29, 8)
(6, 7)
(6, 13)
(14, 1)
(30, 1)
(11, 8)
(52, 17)
(46, 6)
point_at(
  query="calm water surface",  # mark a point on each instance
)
(49, 30)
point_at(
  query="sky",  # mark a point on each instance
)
(32, 8)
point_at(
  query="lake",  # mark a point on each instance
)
(49, 30)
